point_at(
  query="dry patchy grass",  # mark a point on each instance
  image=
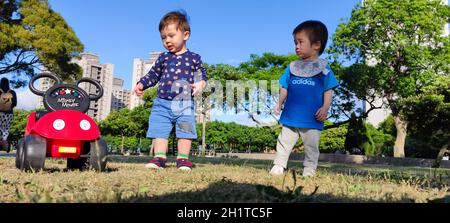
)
(221, 180)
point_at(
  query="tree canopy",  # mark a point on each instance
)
(33, 36)
(429, 113)
(398, 48)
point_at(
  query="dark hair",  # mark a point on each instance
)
(180, 18)
(4, 84)
(317, 32)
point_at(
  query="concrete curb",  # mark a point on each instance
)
(347, 159)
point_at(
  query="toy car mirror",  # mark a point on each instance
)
(39, 76)
(62, 96)
(92, 81)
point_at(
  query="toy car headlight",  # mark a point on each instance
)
(85, 125)
(59, 124)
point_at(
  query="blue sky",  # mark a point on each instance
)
(223, 31)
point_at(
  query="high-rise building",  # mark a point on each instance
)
(120, 96)
(103, 73)
(140, 68)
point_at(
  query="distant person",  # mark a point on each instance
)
(306, 92)
(8, 100)
(446, 156)
(179, 74)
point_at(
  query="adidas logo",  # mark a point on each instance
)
(304, 82)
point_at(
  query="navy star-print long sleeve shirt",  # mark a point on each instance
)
(174, 74)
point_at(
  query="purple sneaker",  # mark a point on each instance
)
(156, 163)
(184, 164)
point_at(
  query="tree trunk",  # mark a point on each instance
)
(121, 149)
(203, 111)
(399, 147)
(442, 151)
(203, 135)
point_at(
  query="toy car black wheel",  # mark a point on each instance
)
(34, 151)
(19, 154)
(77, 163)
(98, 152)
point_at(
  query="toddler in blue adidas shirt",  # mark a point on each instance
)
(306, 92)
(179, 74)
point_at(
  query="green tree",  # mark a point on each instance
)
(429, 116)
(149, 97)
(139, 116)
(333, 139)
(119, 123)
(404, 45)
(264, 139)
(216, 135)
(130, 125)
(266, 67)
(358, 136)
(32, 34)
(387, 126)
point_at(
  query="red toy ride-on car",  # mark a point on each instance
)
(64, 130)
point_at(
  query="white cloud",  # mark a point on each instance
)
(26, 99)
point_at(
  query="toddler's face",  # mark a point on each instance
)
(174, 40)
(303, 46)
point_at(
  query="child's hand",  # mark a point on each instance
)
(321, 114)
(198, 87)
(277, 109)
(139, 89)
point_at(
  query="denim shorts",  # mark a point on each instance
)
(166, 113)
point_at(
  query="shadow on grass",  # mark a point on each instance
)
(419, 176)
(424, 177)
(66, 170)
(226, 191)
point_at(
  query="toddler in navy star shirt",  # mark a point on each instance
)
(180, 75)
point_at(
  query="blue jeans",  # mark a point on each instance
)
(166, 113)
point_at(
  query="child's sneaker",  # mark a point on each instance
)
(308, 172)
(276, 170)
(184, 164)
(156, 163)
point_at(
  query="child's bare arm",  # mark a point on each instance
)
(283, 96)
(198, 87)
(321, 114)
(150, 79)
(281, 99)
(327, 96)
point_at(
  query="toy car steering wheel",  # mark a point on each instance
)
(63, 96)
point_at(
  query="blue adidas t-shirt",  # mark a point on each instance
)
(305, 97)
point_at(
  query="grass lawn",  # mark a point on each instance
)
(222, 180)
